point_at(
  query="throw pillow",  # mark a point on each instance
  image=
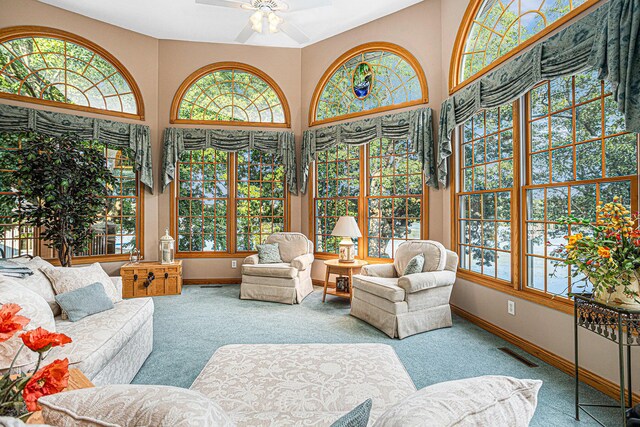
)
(132, 405)
(66, 279)
(84, 302)
(483, 401)
(38, 282)
(269, 253)
(357, 417)
(34, 308)
(415, 265)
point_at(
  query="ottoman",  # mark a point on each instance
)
(302, 384)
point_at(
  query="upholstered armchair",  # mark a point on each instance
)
(399, 305)
(288, 282)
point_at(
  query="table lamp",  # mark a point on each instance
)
(347, 228)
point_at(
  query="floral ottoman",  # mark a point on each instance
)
(302, 384)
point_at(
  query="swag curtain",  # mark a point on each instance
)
(606, 40)
(416, 126)
(179, 140)
(117, 134)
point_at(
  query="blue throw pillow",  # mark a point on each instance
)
(84, 302)
(358, 417)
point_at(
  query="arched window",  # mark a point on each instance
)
(493, 30)
(230, 94)
(53, 67)
(369, 78)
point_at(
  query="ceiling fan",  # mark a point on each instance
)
(266, 18)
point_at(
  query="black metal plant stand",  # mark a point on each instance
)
(616, 324)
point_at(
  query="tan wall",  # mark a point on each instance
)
(177, 60)
(417, 29)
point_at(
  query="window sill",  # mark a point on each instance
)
(92, 259)
(326, 256)
(532, 295)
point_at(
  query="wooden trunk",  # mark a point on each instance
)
(151, 279)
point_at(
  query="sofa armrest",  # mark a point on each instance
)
(379, 270)
(117, 281)
(252, 259)
(422, 281)
(302, 262)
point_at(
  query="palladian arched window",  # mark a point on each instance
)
(230, 94)
(370, 78)
(53, 67)
(493, 30)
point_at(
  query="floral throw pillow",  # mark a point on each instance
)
(67, 279)
(416, 264)
(269, 253)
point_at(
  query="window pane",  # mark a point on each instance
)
(202, 201)
(260, 199)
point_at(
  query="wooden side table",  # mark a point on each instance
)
(151, 279)
(77, 381)
(336, 267)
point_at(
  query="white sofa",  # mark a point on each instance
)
(399, 305)
(288, 282)
(108, 347)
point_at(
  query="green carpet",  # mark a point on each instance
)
(190, 327)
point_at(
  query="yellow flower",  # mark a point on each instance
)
(604, 252)
(573, 239)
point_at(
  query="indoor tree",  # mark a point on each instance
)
(59, 185)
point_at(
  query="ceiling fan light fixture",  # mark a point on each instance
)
(274, 22)
(256, 21)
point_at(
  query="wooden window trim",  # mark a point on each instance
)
(207, 69)
(455, 82)
(364, 48)
(16, 32)
(231, 252)
(363, 212)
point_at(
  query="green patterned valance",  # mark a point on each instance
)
(179, 140)
(606, 40)
(416, 126)
(133, 136)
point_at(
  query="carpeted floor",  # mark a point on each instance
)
(190, 327)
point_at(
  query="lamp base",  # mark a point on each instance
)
(346, 251)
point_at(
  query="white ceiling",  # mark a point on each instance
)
(187, 20)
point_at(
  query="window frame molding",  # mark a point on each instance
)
(364, 48)
(231, 217)
(455, 82)
(207, 69)
(17, 32)
(521, 169)
(362, 208)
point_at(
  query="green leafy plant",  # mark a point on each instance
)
(60, 185)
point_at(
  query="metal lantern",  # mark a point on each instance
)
(167, 248)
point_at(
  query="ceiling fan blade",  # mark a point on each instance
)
(221, 3)
(293, 32)
(245, 34)
(296, 5)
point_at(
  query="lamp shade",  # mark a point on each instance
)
(346, 227)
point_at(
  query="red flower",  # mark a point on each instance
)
(41, 340)
(51, 379)
(10, 323)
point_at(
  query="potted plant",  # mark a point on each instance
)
(60, 186)
(607, 254)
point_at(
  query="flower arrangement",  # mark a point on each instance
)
(19, 393)
(608, 256)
